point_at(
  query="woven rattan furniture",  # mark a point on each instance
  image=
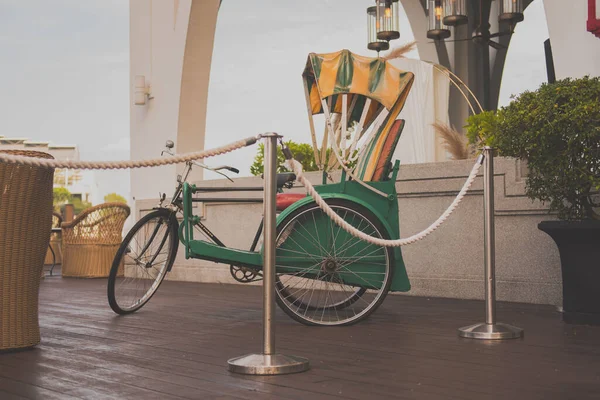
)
(91, 240)
(56, 258)
(25, 221)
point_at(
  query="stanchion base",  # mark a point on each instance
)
(490, 331)
(262, 364)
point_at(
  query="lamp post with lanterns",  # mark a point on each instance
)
(457, 21)
(445, 14)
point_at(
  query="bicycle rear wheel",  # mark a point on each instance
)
(142, 261)
(324, 275)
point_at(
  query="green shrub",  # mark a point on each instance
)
(114, 198)
(302, 152)
(557, 130)
(482, 128)
(79, 205)
(60, 195)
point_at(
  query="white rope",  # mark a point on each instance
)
(181, 158)
(292, 164)
(297, 168)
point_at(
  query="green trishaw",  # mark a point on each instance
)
(324, 276)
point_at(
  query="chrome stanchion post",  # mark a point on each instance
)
(269, 362)
(270, 171)
(490, 329)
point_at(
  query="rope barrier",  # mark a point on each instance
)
(296, 167)
(176, 159)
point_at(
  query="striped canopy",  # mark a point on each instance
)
(359, 96)
(342, 72)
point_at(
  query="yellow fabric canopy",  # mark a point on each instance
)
(344, 72)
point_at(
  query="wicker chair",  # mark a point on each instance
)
(54, 242)
(25, 221)
(91, 240)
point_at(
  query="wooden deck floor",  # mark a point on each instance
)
(178, 345)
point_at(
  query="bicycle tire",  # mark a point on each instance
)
(166, 238)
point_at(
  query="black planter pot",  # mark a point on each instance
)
(579, 247)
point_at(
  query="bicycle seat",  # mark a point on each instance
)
(284, 178)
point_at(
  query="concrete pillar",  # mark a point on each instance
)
(171, 44)
(195, 78)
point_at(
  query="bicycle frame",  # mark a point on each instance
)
(177, 205)
(196, 248)
(385, 208)
(182, 201)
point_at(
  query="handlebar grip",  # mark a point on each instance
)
(286, 152)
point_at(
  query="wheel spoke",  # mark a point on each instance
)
(314, 240)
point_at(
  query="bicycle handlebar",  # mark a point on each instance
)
(169, 145)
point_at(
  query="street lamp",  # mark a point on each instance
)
(437, 29)
(446, 13)
(511, 11)
(374, 43)
(455, 12)
(387, 14)
(442, 14)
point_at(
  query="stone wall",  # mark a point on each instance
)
(449, 262)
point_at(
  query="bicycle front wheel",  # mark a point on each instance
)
(141, 263)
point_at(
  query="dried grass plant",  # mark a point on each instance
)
(455, 142)
(400, 52)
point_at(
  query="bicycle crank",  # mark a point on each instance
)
(244, 274)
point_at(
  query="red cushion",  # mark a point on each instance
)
(284, 200)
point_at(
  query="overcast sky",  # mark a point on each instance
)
(65, 70)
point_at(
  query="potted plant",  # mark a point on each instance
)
(556, 129)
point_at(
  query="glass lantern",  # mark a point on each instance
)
(374, 43)
(511, 11)
(455, 12)
(387, 12)
(436, 31)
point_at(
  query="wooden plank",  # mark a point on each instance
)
(28, 391)
(10, 396)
